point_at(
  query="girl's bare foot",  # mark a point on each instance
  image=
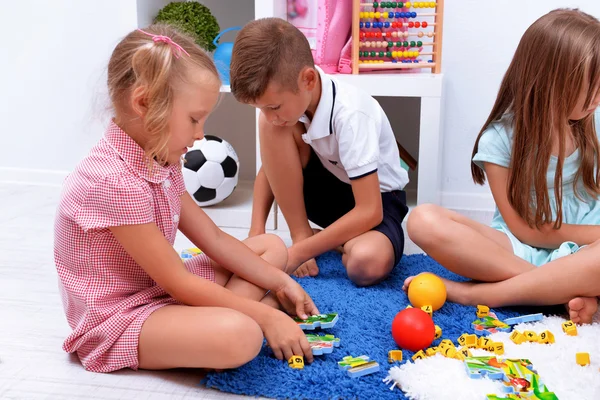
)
(582, 309)
(456, 292)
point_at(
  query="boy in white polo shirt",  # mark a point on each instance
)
(328, 152)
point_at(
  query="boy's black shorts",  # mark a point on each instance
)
(327, 199)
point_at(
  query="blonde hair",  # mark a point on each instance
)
(265, 50)
(555, 58)
(139, 61)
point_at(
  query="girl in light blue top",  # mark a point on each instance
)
(539, 152)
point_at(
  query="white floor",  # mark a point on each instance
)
(33, 326)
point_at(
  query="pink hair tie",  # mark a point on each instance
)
(167, 40)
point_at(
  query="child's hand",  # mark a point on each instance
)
(295, 300)
(285, 337)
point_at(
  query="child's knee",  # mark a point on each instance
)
(279, 252)
(423, 221)
(365, 268)
(246, 340)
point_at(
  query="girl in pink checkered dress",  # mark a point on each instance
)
(130, 300)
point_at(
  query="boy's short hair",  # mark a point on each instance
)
(265, 50)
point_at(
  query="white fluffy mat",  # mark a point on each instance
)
(440, 378)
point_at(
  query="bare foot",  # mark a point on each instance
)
(582, 309)
(309, 268)
(456, 292)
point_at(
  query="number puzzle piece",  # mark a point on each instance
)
(449, 352)
(582, 359)
(467, 340)
(531, 336)
(446, 343)
(419, 355)
(546, 337)
(394, 355)
(431, 351)
(438, 332)
(323, 321)
(296, 362)
(517, 337)
(482, 311)
(465, 351)
(484, 343)
(322, 344)
(569, 328)
(428, 309)
(498, 348)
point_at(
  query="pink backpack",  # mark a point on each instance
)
(334, 44)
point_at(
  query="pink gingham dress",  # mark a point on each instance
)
(106, 295)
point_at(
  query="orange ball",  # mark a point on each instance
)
(427, 289)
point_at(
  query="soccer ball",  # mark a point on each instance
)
(210, 170)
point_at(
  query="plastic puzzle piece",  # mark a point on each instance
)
(531, 336)
(296, 362)
(582, 359)
(524, 318)
(431, 351)
(189, 253)
(446, 343)
(498, 348)
(394, 355)
(489, 324)
(428, 309)
(438, 332)
(519, 378)
(323, 321)
(467, 340)
(350, 361)
(322, 344)
(365, 369)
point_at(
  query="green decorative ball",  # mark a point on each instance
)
(193, 18)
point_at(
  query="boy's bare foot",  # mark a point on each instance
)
(309, 268)
(456, 292)
(582, 309)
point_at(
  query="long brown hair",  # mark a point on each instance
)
(140, 61)
(557, 57)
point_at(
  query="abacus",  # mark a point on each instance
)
(392, 35)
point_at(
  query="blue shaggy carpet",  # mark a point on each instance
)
(364, 327)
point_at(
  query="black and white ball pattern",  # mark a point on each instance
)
(210, 170)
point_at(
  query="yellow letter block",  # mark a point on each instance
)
(569, 328)
(546, 337)
(446, 343)
(468, 340)
(394, 355)
(498, 348)
(484, 343)
(449, 351)
(517, 337)
(482, 311)
(431, 351)
(428, 309)
(465, 351)
(419, 355)
(296, 362)
(582, 359)
(438, 332)
(531, 336)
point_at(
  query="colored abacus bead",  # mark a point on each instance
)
(424, 24)
(420, 34)
(367, 24)
(419, 44)
(375, 4)
(399, 15)
(411, 24)
(407, 4)
(417, 24)
(413, 43)
(413, 14)
(388, 54)
(372, 14)
(387, 24)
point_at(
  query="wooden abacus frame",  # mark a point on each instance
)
(436, 55)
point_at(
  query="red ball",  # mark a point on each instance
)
(413, 329)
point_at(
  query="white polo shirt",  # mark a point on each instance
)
(352, 135)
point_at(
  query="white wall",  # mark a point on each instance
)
(52, 62)
(53, 67)
(480, 38)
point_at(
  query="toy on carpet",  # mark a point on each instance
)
(358, 366)
(322, 344)
(296, 362)
(323, 321)
(488, 323)
(413, 329)
(427, 289)
(524, 318)
(394, 355)
(518, 375)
